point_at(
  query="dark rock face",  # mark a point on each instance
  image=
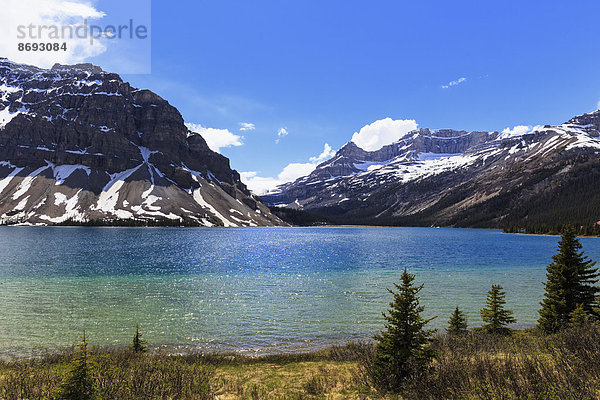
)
(590, 123)
(455, 178)
(78, 143)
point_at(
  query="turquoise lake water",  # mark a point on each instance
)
(252, 290)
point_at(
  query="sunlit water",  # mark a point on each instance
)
(250, 289)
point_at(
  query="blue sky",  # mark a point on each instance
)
(324, 69)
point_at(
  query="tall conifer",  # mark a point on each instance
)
(403, 348)
(571, 283)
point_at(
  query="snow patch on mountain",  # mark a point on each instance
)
(26, 183)
(109, 197)
(435, 156)
(62, 172)
(200, 200)
(5, 181)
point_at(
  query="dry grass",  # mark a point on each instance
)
(524, 365)
(298, 380)
(121, 374)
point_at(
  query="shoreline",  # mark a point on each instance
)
(323, 226)
(183, 350)
(27, 225)
(547, 234)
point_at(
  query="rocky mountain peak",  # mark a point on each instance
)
(75, 68)
(127, 152)
(590, 122)
(351, 149)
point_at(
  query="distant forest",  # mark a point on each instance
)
(557, 229)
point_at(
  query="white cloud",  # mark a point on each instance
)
(293, 171)
(454, 83)
(281, 133)
(327, 153)
(216, 138)
(49, 13)
(382, 132)
(261, 185)
(518, 130)
(598, 105)
(258, 184)
(247, 126)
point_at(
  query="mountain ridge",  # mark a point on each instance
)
(458, 178)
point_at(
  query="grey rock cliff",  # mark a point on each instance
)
(79, 144)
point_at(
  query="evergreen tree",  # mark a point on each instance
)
(494, 314)
(578, 317)
(138, 345)
(403, 348)
(571, 281)
(79, 383)
(457, 324)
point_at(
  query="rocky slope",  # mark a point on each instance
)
(78, 144)
(456, 178)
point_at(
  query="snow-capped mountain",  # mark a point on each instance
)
(79, 144)
(458, 178)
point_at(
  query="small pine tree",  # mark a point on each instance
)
(457, 324)
(494, 314)
(138, 345)
(578, 317)
(571, 281)
(80, 382)
(403, 348)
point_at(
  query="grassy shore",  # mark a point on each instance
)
(524, 365)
